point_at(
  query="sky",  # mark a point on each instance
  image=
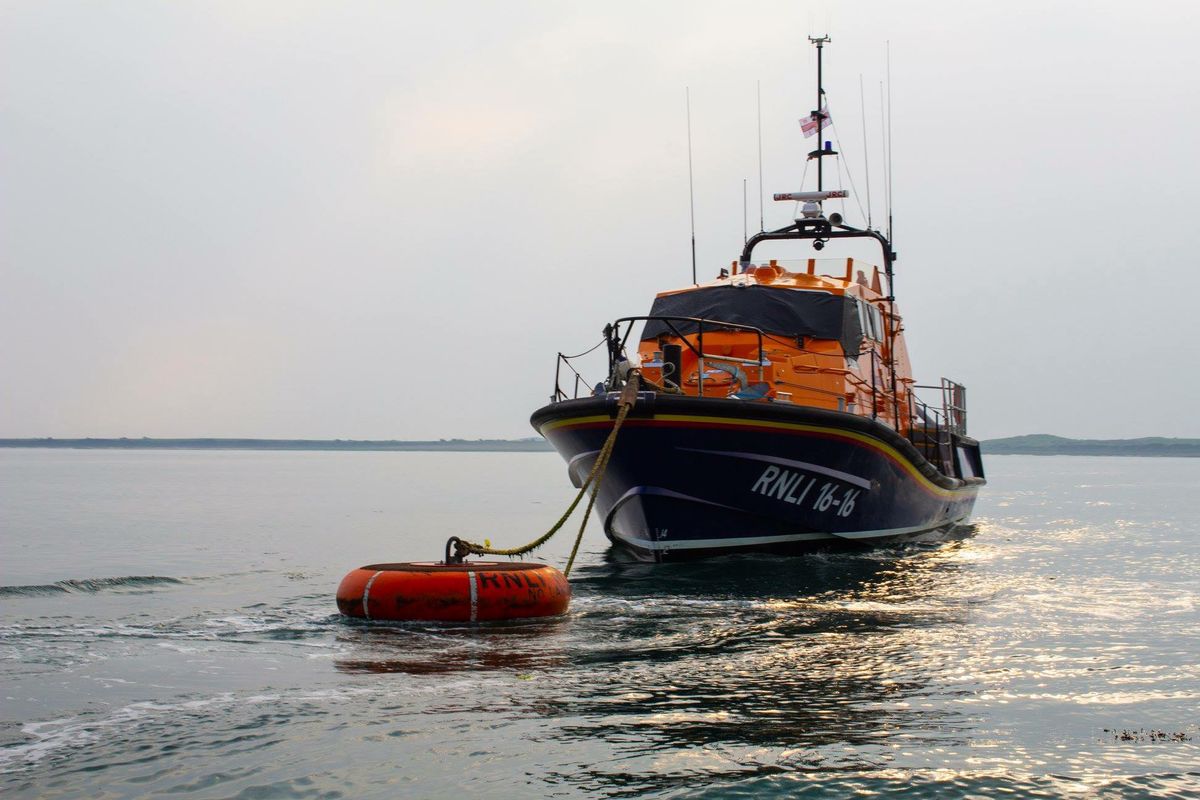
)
(383, 220)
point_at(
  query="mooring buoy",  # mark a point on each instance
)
(476, 591)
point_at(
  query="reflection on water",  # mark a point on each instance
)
(430, 649)
(747, 650)
(857, 662)
(993, 661)
(764, 652)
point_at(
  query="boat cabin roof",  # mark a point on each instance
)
(768, 296)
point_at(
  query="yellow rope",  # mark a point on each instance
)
(624, 404)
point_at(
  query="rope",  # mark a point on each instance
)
(585, 352)
(567, 360)
(624, 405)
(803, 175)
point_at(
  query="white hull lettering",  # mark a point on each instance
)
(800, 499)
(764, 480)
(782, 484)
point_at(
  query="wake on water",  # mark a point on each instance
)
(92, 585)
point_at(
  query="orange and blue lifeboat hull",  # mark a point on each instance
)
(695, 477)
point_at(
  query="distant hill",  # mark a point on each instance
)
(469, 445)
(1042, 444)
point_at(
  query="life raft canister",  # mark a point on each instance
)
(475, 591)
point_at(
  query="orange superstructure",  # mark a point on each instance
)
(806, 370)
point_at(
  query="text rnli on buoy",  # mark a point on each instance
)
(477, 591)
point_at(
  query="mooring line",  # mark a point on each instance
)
(624, 404)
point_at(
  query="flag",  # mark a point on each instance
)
(810, 124)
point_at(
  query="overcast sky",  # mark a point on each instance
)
(384, 220)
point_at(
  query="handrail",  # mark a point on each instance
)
(617, 343)
(874, 391)
(936, 427)
(747, 361)
(814, 389)
(559, 394)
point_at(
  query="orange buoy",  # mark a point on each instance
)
(476, 591)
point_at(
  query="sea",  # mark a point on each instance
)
(168, 628)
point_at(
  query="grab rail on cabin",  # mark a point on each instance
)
(617, 342)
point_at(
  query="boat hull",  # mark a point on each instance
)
(696, 477)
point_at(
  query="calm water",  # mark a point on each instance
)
(168, 627)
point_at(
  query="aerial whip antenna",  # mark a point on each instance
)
(691, 191)
(889, 138)
(745, 224)
(887, 189)
(761, 224)
(862, 101)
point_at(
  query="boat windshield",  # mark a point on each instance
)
(778, 310)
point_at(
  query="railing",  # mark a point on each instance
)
(931, 426)
(616, 344)
(616, 352)
(931, 430)
(838, 268)
(954, 402)
(565, 360)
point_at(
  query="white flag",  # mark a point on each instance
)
(810, 124)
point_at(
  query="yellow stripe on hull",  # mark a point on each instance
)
(869, 441)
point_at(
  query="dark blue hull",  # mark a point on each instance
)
(695, 477)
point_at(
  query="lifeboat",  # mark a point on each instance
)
(782, 413)
(479, 591)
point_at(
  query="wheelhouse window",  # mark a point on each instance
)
(871, 320)
(774, 310)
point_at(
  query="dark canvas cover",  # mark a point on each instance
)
(778, 310)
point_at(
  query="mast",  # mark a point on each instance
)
(823, 148)
(819, 115)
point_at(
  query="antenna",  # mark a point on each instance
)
(862, 101)
(745, 224)
(761, 224)
(887, 197)
(691, 191)
(889, 138)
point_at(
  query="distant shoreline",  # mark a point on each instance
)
(1031, 445)
(332, 445)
